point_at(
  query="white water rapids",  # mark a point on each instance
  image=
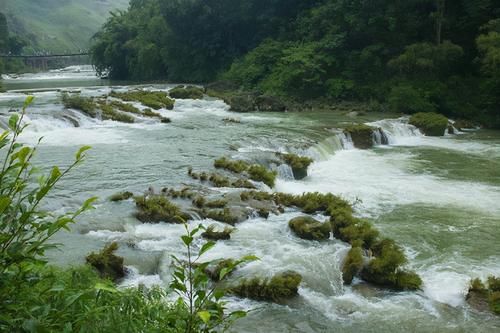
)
(437, 197)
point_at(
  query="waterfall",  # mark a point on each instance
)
(394, 131)
(285, 172)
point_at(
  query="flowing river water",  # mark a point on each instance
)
(437, 197)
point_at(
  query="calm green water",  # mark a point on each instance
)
(438, 197)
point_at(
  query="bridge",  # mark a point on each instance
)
(42, 61)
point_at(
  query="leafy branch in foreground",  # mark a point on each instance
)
(202, 298)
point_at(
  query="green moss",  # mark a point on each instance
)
(352, 230)
(120, 196)
(385, 268)
(299, 164)
(109, 113)
(233, 166)
(189, 92)
(430, 123)
(157, 208)
(153, 99)
(109, 265)
(212, 233)
(219, 181)
(77, 102)
(353, 264)
(483, 296)
(280, 287)
(199, 202)
(361, 135)
(306, 227)
(255, 195)
(261, 174)
(477, 285)
(126, 107)
(223, 216)
(493, 283)
(216, 204)
(494, 302)
(184, 193)
(242, 183)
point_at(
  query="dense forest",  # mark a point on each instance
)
(403, 56)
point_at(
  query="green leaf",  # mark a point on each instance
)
(238, 314)
(105, 287)
(207, 246)
(4, 203)
(56, 173)
(205, 316)
(187, 240)
(28, 101)
(223, 272)
(81, 151)
(13, 121)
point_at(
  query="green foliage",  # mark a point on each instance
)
(157, 208)
(280, 287)
(109, 265)
(197, 296)
(406, 99)
(431, 124)
(224, 216)
(306, 227)
(489, 292)
(296, 162)
(353, 264)
(109, 113)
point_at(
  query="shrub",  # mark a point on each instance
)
(109, 265)
(431, 124)
(408, 100)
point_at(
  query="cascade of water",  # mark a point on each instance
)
(394, 130)
(285, 172)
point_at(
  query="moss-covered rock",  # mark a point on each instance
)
(361, 135)
(386, 268)
(484, 297)
(280, 287)
(260, 173)
(225, 216)
(265, 103)
(430, 123)
(231, 165)
(108, 112)
(120, 196)
(157, 208)
(306, 227)
(153, 99)
(213, 234)
(186, 92)
(242, 103)
(353, 264)
(299, 164)
(109, 265)
(85, 104)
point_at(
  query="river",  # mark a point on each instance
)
(437, 197)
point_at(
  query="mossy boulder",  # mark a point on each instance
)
(265, 103)
(280, 287)
(260, 173)
(213, 234)
(157, 208)
(306, 227)
(242, 103)
(353, 263)
(484, 297)
(186, 92)
(226, 215)
(236, 166)
(430, 123)
(120, 196)
(299, 164)
(109, 265)
(361, 135)
(152, 99)
(386, 268)
(78, 102)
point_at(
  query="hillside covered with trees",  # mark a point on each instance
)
(404, 56)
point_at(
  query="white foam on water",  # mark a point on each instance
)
(134, 279)
(383, 181)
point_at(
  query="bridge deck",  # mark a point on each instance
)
(48, 56)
